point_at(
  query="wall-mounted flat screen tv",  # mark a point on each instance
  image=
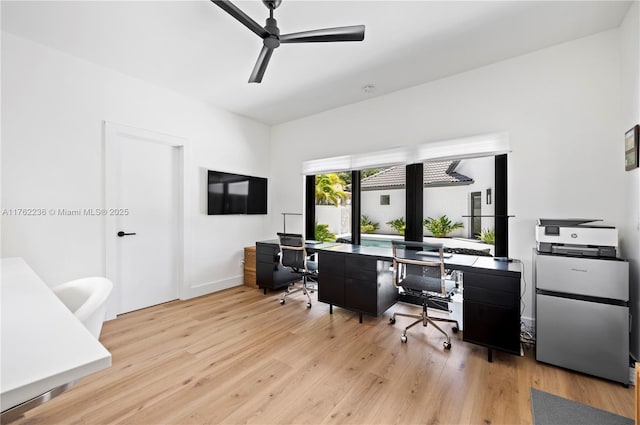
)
(236, 194)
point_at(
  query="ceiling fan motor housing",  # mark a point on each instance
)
(272, 4)
(272, 28)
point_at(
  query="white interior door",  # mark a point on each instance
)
(143, 207)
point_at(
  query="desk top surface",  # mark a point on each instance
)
(43, 344)
(385, 253)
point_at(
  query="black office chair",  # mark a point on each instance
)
(419, 271)
(293, 254)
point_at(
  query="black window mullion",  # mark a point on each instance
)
(414, 203)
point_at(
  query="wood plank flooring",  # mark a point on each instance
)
(239, 357)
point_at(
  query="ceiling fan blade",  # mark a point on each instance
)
(352, 33)
(261, 65)
(244, 19)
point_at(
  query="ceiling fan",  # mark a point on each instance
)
(271, 37)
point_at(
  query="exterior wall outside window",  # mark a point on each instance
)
(452, 201)
(338, 218)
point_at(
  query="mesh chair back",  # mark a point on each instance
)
(417, 272)
(292, 251)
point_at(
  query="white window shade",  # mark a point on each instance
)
(381, 158)
(326, 165)
(468, 147)
(446, 150)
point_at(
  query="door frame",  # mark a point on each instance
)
(112, 131)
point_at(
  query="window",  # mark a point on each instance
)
(332, 206)
(493, 147)
(376, 187)
(476, 212)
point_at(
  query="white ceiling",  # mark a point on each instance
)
(195, 48)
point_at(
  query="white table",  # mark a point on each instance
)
(43, 345)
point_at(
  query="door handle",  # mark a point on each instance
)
(121, 234)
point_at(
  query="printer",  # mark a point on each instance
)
(577, 237)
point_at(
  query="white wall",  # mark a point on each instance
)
(455, 201)
(482, 170)
(381, 214)
(452, 201)
(560, 106)
(337, 218)
(53, 106)
(630, 226)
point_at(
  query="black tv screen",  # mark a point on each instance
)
(236, 194)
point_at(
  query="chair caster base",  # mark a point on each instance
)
(282, 301)
(447, 345)
(403, 339)
(308, 305)
(455, 330)
(392, 320)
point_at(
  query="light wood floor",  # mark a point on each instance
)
(238, 356)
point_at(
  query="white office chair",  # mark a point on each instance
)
(87, 300)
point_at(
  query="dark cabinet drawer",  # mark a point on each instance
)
(331, 263)
(503, 299)
(331, 278)
(331, 289)
(491, 282)
(361, 295)
(264, 273)
(492, 327)
(361, 267)
(491, 310)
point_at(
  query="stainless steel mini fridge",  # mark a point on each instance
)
(582, 314)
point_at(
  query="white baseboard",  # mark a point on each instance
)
(201, 289)
(527, 330)
(210, 287)
(528, 321)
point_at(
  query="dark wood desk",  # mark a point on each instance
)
(359, 279)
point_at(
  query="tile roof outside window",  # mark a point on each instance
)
(435, 174)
